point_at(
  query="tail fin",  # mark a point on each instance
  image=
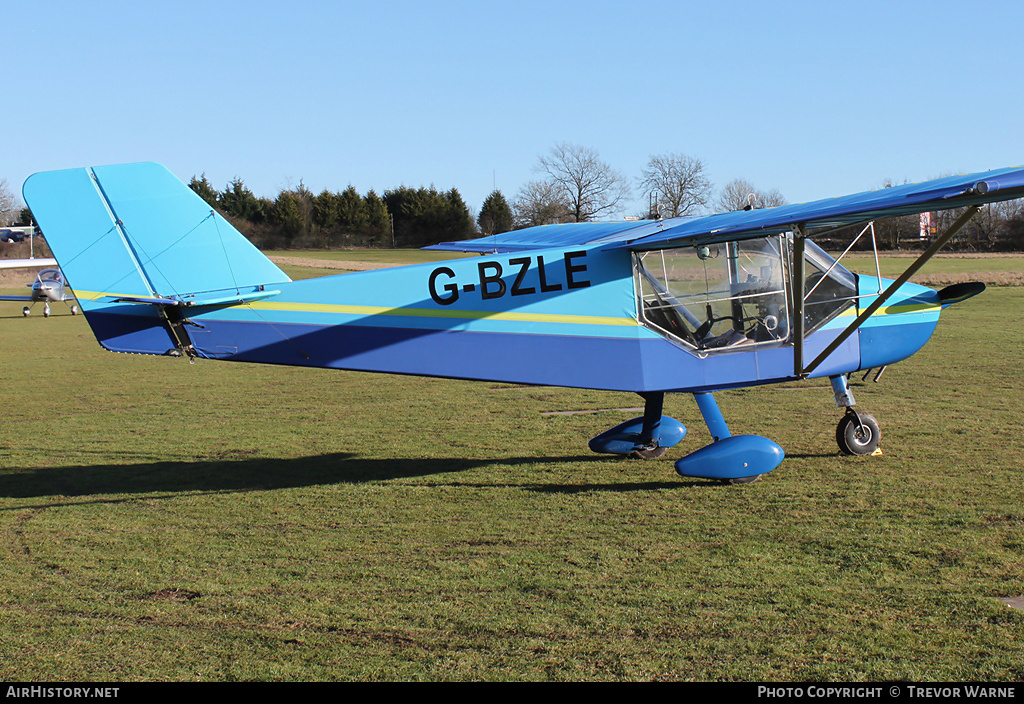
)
(134, 232)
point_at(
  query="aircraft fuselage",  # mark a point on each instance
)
(558, 317)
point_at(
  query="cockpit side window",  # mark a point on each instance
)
(716, 297)
(829, 289)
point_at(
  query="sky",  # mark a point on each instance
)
(816, 99)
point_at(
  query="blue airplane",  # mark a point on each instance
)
(692, 305)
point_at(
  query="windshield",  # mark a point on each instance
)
(50, 275)
(716, 296)
(736, 294)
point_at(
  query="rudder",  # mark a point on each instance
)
(135, 231)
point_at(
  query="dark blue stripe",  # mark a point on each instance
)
(584, 362)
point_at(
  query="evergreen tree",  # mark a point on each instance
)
(204, 189)
(325, 210)
(378, 220)
(351, 211)
(425, 216)
(287, 215)
(238, 201)
(459, 223)
(495, 215)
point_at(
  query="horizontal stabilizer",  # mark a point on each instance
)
(193, 302)
(148, 301)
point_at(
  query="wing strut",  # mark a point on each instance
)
(878, 302)
(799, 234)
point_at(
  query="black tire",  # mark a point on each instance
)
(743, 480)
(648, 453)
(858, 438)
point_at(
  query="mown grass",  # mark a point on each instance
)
(167, 521)
(996, 269)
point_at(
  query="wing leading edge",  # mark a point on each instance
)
(938, 194)
(549, 236)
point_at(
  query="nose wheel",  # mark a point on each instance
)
(858, 433)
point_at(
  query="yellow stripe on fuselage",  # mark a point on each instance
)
(893, 310)
(337, 308)
(435, 313)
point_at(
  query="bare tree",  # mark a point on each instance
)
(772, 198)
(10, 205)
(740, 194)
(588, 185)
(677, 183)
(539, 203)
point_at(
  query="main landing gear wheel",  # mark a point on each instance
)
(25, 311)
(74, 310)
(858, 434)
(742, 480)
(648, 453)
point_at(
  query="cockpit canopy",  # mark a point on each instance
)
(50, 276)
(736, 294)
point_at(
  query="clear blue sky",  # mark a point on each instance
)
(816, 99)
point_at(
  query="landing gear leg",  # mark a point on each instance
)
(857, 433)
(646, 437)
(647, 447)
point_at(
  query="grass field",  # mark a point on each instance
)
(167, 521)
(996, 269)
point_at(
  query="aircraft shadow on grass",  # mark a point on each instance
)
(263, 474)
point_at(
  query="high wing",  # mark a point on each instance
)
(551, 236)
(940, 194)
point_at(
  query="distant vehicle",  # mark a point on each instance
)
(12, 235)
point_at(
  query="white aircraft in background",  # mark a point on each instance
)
(48, 287)
(23, 263)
